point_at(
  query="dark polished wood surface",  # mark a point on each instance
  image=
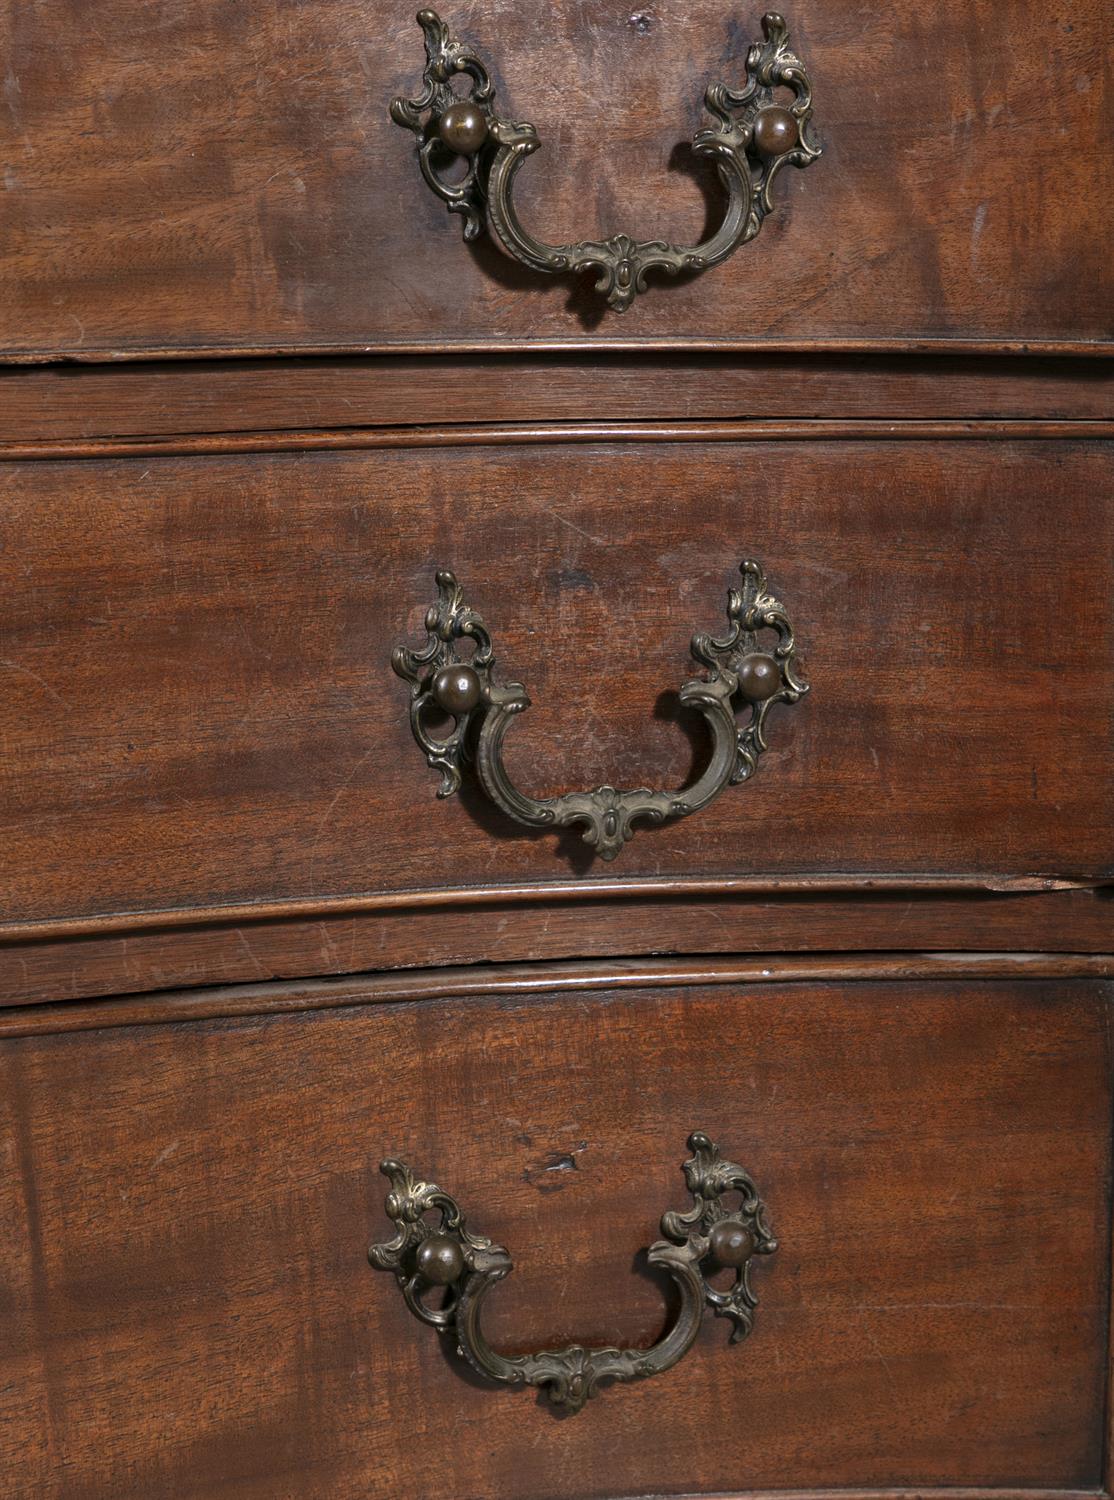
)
(214, 176)
(113, 958)
(226, 1002)
(199, 706)
(519, 434)
(189, 1207)
(64, 402)
(253, 391)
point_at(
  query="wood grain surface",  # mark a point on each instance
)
(68, 402)
(234, 1001)
(226, 177)
(880, 975)
(116, 958)
(199, 707)
(520, 434)
(185, 1220)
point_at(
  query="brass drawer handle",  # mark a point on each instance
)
(698, 1242)
(739, 670)
(753, 139)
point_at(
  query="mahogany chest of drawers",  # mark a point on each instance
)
(529, 667)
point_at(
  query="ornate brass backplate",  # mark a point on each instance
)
(698, 1242)
(754, 137)
(740, 671)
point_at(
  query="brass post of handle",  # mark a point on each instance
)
(753, 139)
(441, 681)
(449, 1258)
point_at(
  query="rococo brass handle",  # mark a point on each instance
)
(753, 138)
(698, 1242)
(482, 711)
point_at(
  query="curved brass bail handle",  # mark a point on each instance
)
(753, 139)
(698, 1242)
(442, 682)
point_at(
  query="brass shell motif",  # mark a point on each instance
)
(754, 137)
(698, 1242)
(740, 671)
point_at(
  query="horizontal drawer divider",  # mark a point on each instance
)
(522, 980)
(1033, 348)
(471, 435)
(110, 924)
(146, 400)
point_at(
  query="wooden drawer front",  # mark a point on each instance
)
(199, 708)
(186, 1212)
(227, 176)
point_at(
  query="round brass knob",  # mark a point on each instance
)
(463, 128)
(759, 677)
(456, 689)
(775, 131)
(440, 1260)
(731, 1243)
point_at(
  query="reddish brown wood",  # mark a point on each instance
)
(1097, 354)
(228, 179)
(199, 707)
(494, 435)
(939, 1492)
(1108, 1431)
(187, 1210)
(238, 1000)
(886, 983)
(546, 892)
(144, 399)
(118, 957)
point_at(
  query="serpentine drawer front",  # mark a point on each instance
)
(556, 729)
(247, 189)
(207, 741)
(933, 1154)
